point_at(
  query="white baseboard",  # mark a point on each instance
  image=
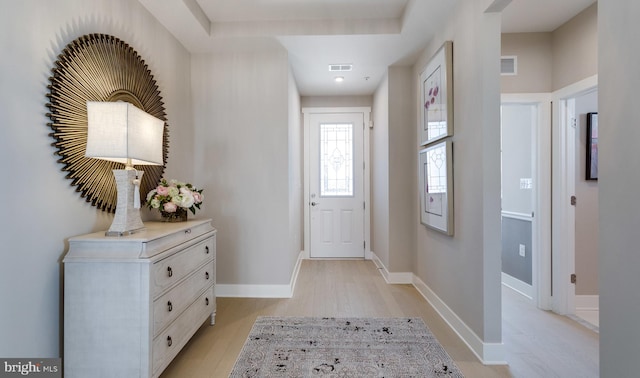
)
(261, 291)
(587, 302)
(515, 284)
(392, 277)
(487, 353)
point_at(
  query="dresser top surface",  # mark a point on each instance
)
(156, 238)
(153, 230)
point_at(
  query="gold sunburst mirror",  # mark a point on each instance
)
(99, 67)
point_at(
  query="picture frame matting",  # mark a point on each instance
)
(436, 93)
(436, 186)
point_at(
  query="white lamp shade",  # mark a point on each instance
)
(118, 131)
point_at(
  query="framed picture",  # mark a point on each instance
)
(592, 146)
(436, 186)
(436, 86)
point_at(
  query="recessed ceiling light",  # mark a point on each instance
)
(339, 79)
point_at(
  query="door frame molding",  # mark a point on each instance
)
(541, 174)
(366, 116)
(563, 232)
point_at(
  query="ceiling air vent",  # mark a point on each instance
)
(340, 67)
(508, 65)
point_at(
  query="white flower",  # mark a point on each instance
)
(150, 195)
(173, 191)
(184, 200)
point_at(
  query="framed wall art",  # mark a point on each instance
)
(436, 186)
(436, 87)
(592, 146)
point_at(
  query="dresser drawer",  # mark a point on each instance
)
(170, 305)
(187, 231)
(168, 343)
(171, 270)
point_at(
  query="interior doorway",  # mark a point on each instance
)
(574, 239)
(526, 195)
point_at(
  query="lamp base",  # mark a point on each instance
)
(127, 219)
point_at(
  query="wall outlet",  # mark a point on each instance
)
(522, 250)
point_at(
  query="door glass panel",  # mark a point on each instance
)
(336, 160)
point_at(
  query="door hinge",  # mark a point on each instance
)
(573, 278)
(364, 245)
(574, 200)
(364, 205)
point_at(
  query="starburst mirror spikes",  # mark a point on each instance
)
(99, 67)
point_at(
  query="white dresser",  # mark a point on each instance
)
(131, 303)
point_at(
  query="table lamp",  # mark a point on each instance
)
(120, 132)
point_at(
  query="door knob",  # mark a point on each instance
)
(315, 203)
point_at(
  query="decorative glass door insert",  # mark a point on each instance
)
(336, 160)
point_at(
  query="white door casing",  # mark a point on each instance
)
(563, 231)
(336, 190)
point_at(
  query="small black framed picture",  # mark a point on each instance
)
(592, 146)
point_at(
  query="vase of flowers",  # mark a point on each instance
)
(173, 198)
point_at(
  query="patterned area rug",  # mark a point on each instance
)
(342, 347)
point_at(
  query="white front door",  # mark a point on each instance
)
(336, 185)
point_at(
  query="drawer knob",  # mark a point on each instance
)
(206, 301)
(169, 306)
(206, 249)
(206, 275)
(169, 341)
(170, 272)
(188, 231)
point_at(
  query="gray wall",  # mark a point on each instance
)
(464, 270)
(586, 210)
(514, 233)
(247, 153)
(48, 210)
(335, 101)
(575, 49)
(619, 79)
(380, 173)
(518, 122)
(551, 61)
(534, 60)
(296, 172)
(393, 170)
(402, 170)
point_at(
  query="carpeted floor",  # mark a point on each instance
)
(342, 347)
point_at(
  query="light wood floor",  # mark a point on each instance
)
(539, 344)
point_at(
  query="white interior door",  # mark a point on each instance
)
(336, 185)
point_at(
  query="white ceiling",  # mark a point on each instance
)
(370, 34)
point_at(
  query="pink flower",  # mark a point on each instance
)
(170, 207)
(197, 197)
(162, 190)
